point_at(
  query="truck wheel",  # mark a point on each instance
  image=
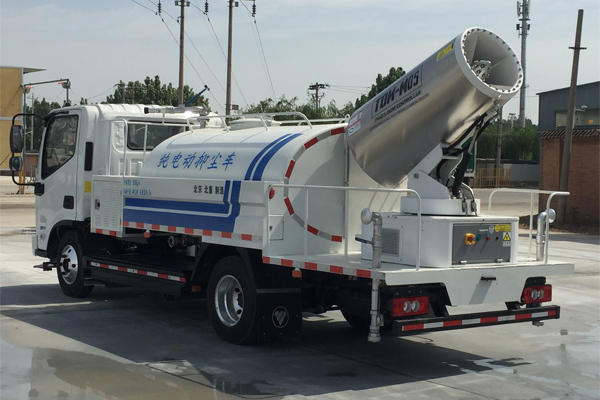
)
(357, 321)
(70, 266)
(232, 301)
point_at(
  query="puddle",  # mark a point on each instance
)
(59, 374)
(216, 379)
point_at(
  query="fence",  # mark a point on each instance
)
(493, 177)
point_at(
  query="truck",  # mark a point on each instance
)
(269, 216)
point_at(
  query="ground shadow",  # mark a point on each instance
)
(144, 328)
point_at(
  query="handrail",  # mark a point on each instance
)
(136, 121)
(531, 192)
(345, 189)
(262, 117)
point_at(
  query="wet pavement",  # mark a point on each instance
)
(132, 344)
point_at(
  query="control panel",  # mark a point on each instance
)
(481, 243)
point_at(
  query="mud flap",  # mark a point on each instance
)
(279, 313)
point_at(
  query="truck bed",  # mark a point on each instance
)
(466, 284)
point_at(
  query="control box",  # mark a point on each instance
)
(445, 240)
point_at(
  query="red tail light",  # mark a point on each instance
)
(537, 294)
(409, 306)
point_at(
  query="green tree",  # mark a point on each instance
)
(151, 91)
(330, 110)
(381, 83)
(518, 143)
(308, 109)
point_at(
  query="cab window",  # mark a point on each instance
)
(154, 136)
(59, 143)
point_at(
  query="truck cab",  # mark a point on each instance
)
(83, 141)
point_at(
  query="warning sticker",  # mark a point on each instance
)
(445, 51)
(506, 240)
(502, 228)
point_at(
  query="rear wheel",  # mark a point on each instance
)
(70, 266)
(362, 321)
(231, 301)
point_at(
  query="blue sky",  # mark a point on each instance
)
(344, 43)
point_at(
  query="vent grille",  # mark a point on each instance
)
(391, 241)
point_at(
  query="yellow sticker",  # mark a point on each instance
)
(88, 187)
(445, 51)
(507, 237)
(502, 228)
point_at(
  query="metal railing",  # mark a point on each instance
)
(267, 118)
(144, 150)
(532, 192)
(307, 189)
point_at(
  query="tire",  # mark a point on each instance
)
(70, 266)
(361, 322)
(231, 301)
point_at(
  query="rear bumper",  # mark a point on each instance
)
(421, 325)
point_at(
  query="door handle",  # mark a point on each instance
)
(69, 202)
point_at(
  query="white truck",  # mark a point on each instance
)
(270, 216)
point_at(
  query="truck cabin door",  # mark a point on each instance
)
(57, 174)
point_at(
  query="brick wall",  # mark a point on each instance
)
(584, 177)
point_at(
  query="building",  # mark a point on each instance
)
(584, 170)
(12, 98)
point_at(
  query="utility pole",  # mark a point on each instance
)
(566, 157)
(66, 84)
(316, 95)
(183, 5)
(229, 46)
(523, 12)
(232, 4)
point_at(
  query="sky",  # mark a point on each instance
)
(287, 47)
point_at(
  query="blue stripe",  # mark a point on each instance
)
(229, 208)
(222, 224)
(260, 154)
(265, 160)
(215, 223)
(222, 208)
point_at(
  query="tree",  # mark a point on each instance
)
(151, 91)
(518, 143)
(331, 110)
(308, 109)
(381, 83)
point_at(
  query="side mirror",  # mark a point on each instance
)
(17, 139)
(16, 164)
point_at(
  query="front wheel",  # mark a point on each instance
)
(231, 301)
(70, 267)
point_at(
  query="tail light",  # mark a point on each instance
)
(537, 294)
(410, 306)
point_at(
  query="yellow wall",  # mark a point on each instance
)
(11, 99)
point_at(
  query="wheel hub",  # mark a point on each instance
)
(229, 300)
(69, 264)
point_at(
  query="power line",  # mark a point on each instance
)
(205, 63)
(258, 39)
(141, 5)
(349, 89)
(224, 56)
